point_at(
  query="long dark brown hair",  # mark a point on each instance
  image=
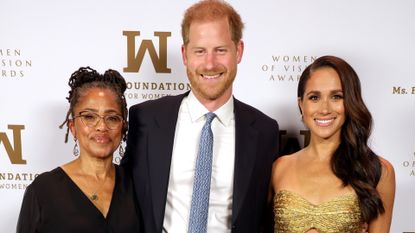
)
(85, 78)
(353, 161)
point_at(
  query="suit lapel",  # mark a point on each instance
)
(160, 147)
(246, 138)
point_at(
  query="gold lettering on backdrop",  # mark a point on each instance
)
(10, 52)
(286, 68)
(17, 176)
(13, 186)
(15, 154)
(158, 86)
(286, 58)
(12, 64)
(399, 90)
(410, 164)
(134, 60)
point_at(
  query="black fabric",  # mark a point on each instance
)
(54, 203)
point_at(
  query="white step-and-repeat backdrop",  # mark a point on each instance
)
(43, 42)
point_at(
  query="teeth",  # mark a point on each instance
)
(324, 122)
(210, 76)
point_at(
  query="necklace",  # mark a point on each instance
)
(94, 195)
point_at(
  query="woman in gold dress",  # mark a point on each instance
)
(336, 183)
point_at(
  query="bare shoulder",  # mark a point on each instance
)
(386, 185)
(388, 172)
(283, 164)
(282, 170)
(386, 188)
(284, 161)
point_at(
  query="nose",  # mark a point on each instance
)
(210, 61)
(101, 126)
(325, 107)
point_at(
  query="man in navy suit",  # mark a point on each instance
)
(163, 137)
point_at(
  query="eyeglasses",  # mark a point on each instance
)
(92, 119)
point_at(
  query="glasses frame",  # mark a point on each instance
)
(82, 115)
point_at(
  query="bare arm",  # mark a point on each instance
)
(386, 189)
(268, 225)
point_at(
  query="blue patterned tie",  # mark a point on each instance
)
(201, 187)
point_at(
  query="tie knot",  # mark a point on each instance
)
(209, 117)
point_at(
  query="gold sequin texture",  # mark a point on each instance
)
(294, 214)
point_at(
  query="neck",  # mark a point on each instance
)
(214, 104)
(322, 150)
(99, 168)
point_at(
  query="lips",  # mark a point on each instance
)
(210, 76)
(102, 139)
(324, 122)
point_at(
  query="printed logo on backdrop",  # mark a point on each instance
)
(11, 141)
(289, 143)
(13, 152)
(137, 51)
(409, 166)
(14, 63)
(286, 68)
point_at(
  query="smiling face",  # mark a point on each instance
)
(211, 59)
(322, 104)
(98, 141)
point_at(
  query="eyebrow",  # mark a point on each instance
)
(319, 92)
(196, 47)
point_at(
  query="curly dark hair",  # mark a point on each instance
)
(86, 78)
(353, 161)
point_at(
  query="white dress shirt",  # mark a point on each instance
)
(185, 149)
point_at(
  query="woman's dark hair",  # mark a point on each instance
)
(86, 78)
(353, 161)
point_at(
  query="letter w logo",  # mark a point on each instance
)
(15, 155)
(135, 60)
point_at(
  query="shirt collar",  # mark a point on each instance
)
(197, 110)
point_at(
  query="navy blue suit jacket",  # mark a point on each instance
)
(149, 151)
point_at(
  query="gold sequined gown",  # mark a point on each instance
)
(294, 214)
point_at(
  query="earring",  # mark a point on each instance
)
(121, 150)
(75, 150)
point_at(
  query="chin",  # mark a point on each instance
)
(328, 135)
(103, 154)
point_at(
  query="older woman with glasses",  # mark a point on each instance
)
(90, 193)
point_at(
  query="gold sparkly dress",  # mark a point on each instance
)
(294, 214)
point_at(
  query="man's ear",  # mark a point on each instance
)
(239, 50)
(184, 58)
